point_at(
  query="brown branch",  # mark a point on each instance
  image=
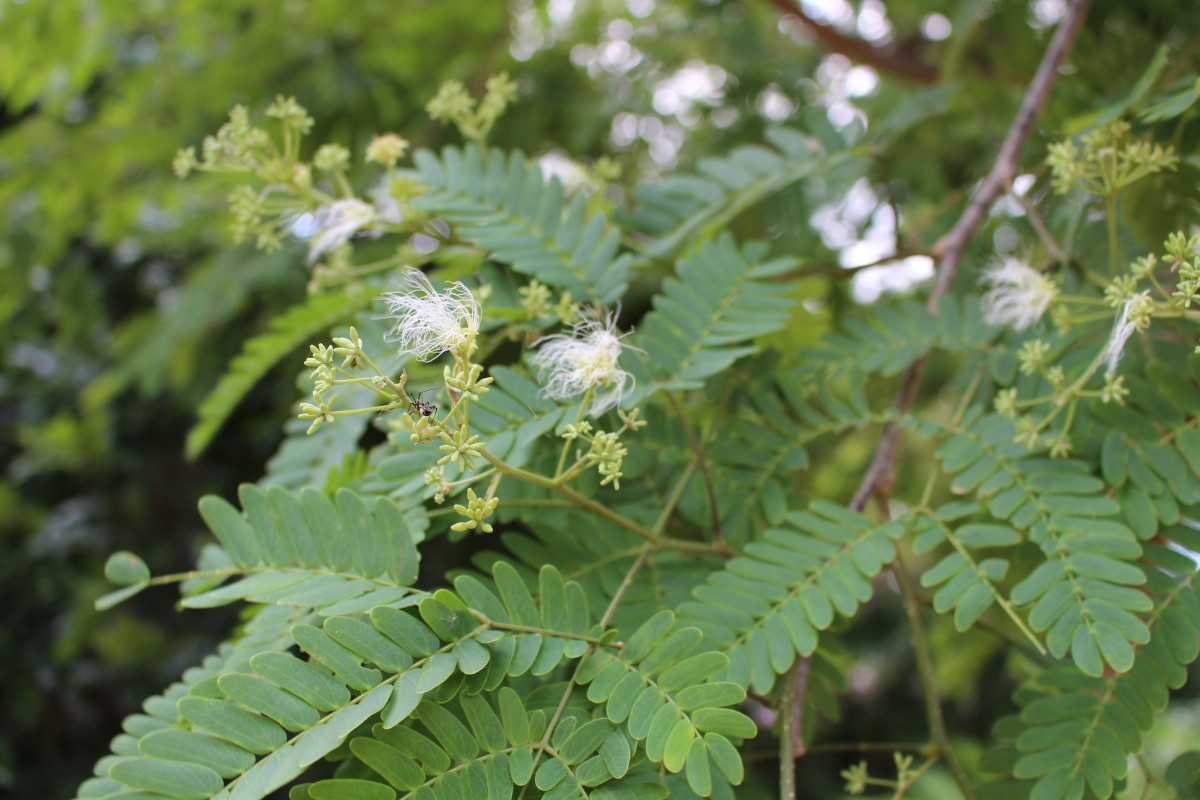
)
(880, 475)
(886, 59)
(800, 676)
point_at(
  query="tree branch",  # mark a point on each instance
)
(886, 59)
(880, 475)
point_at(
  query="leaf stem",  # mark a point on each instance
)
(575, 497)
(508, 626)
(1114, 238)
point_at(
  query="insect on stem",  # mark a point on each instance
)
(419, 406)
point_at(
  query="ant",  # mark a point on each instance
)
(421, 407)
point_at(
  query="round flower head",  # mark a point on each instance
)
(428, 322)
(586, 357)
(1019, 295)
(337, 222)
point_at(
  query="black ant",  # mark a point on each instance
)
(421, 407)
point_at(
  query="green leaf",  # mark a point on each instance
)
(506, 208)
(392, 765)
(485, 725)
(725, 756)
(124, 568)
(471, 656)
(585, 741)
(436, 671)
(249, 731)
(1183, 773)
(368, 642)
(520, 765)
(699, 774)
(709, 695)
(692, 670)
(647, 636)
(269, 700)
(432, 758)
(404, 700)
(302, 679)
(725, 721)
(550, 774)
(350, 789)
(516, 597)
(514, 718)
(406, 631)
(454, 737)
(702, 319)
(171, 778)
(616, 754)
(224, 758)
(553, 597)
(766, 606)
(1044, 761)
(342, 662)
(678, 743)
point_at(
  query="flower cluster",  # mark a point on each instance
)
(476, 511)
(584, 360)
(1108, 161)
(454, 104)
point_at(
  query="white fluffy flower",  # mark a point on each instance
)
(428, 322)
(1019, 295)
(1135, 315)
(336, 223)
(1123, 328)
(586, 357)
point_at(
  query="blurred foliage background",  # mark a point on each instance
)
(123, 299)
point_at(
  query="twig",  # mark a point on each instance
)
(880, 475)
(838, 271)
(1039, 226)
(886, 59)
(702, 463)
(800, 679)
(636, 567)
